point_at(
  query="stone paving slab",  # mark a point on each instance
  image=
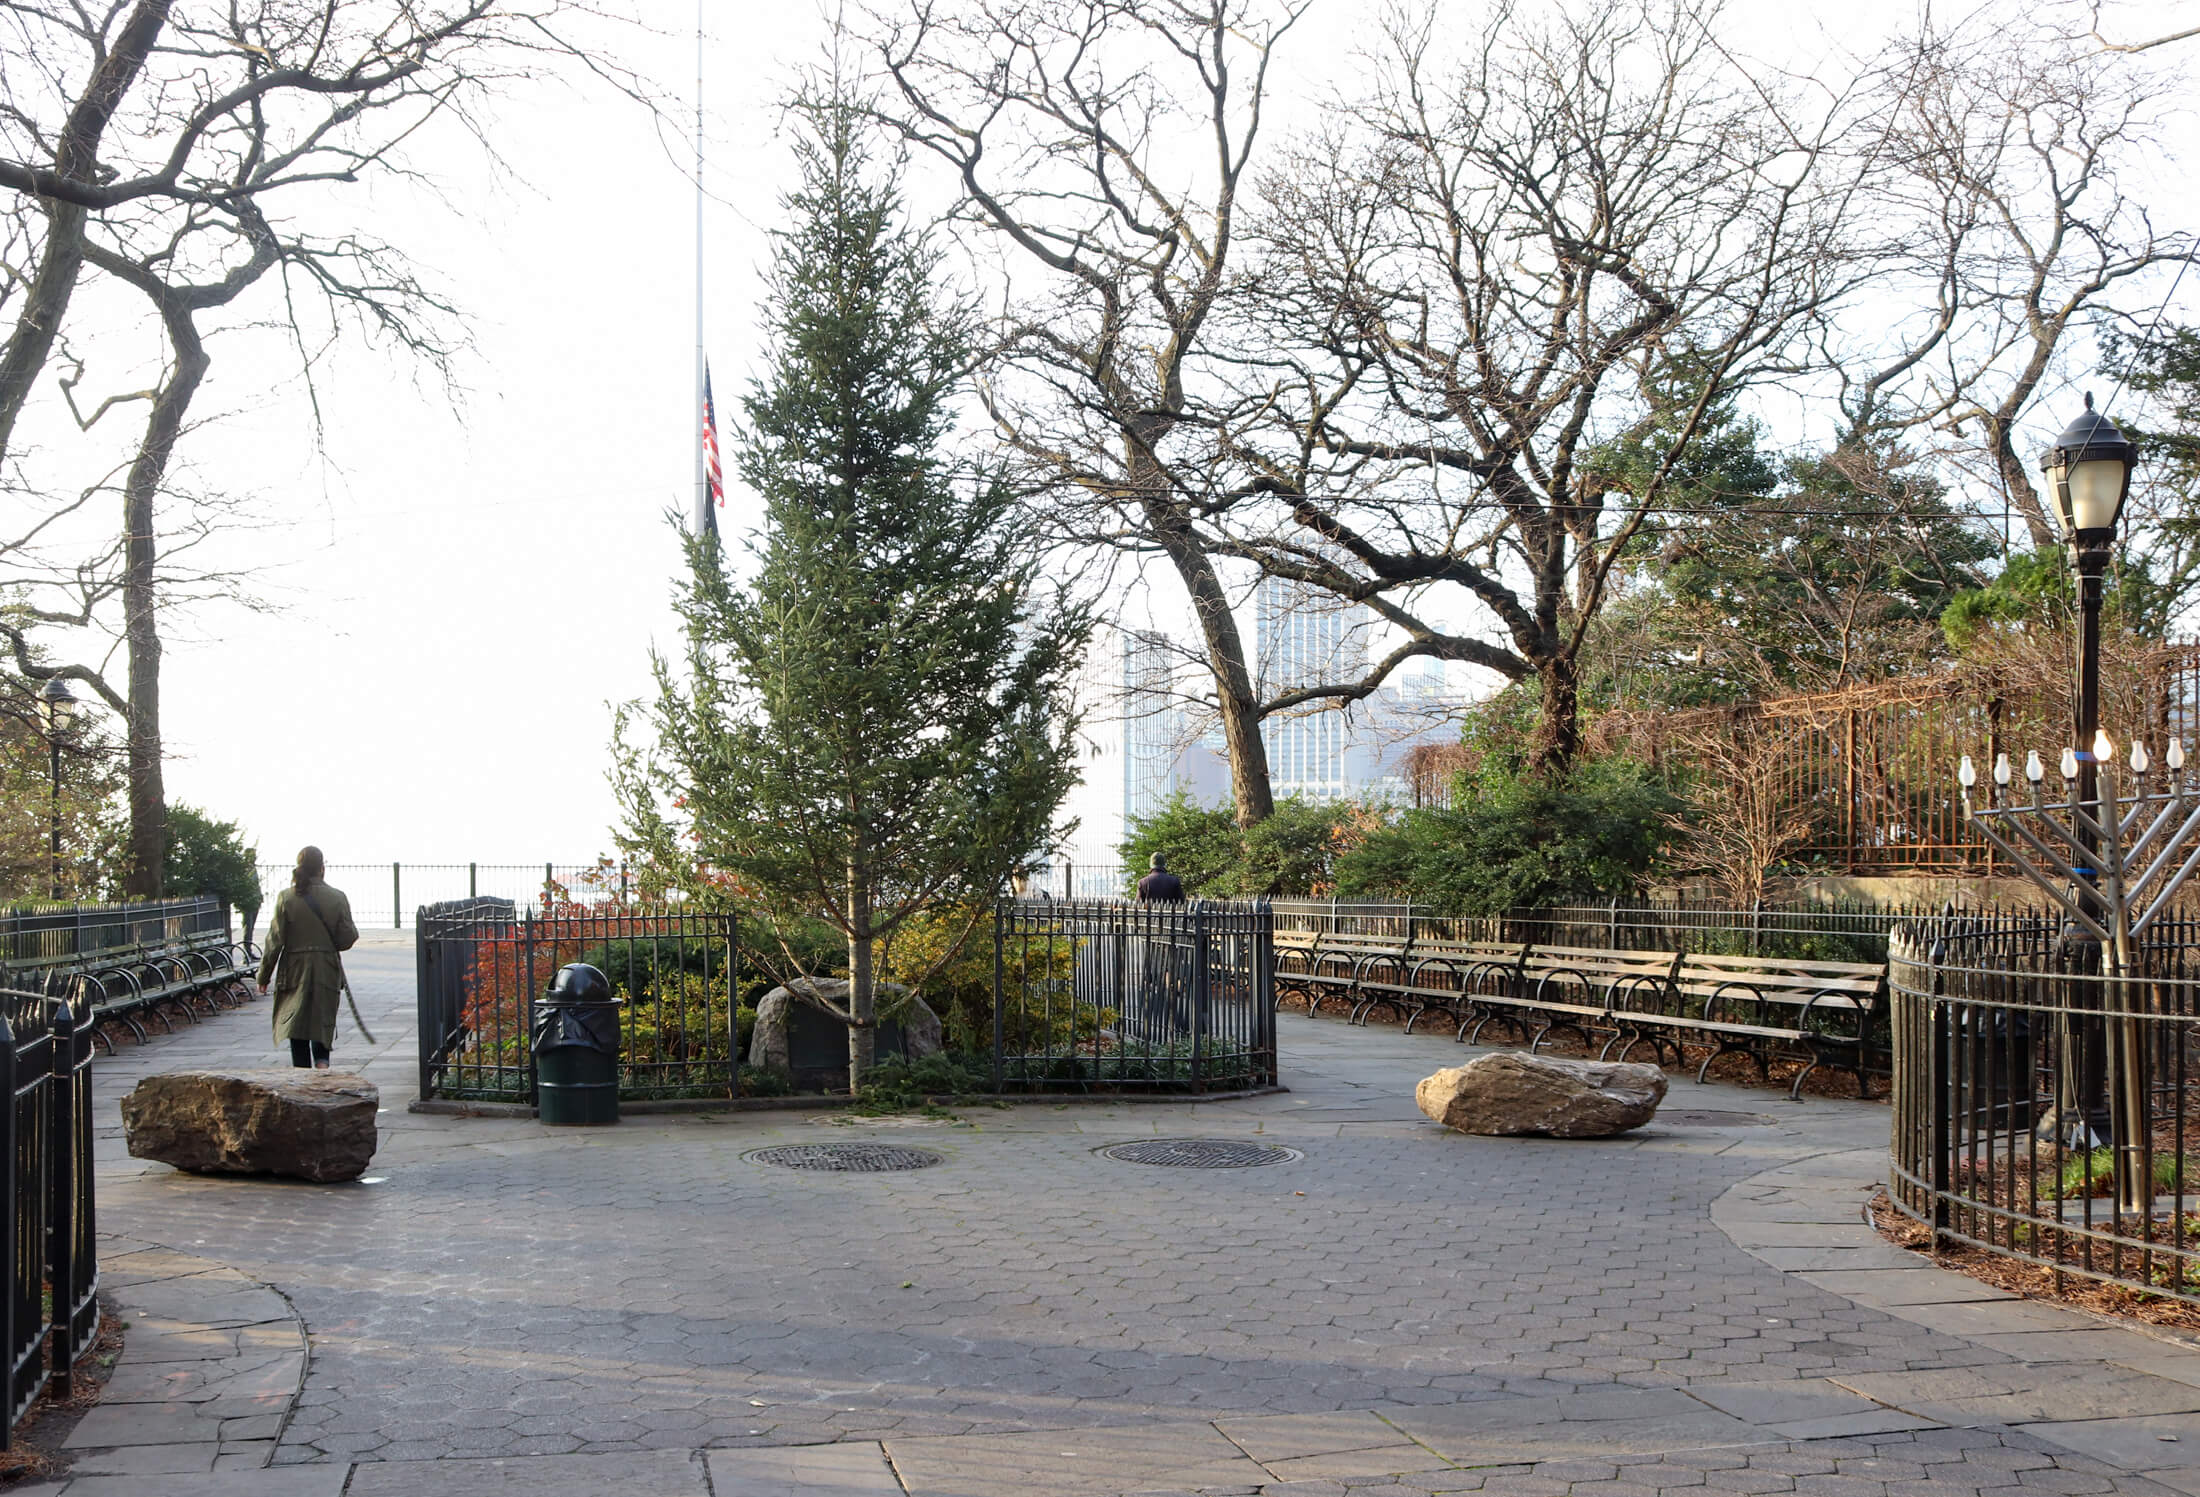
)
(2025, 1393)
(1284, 1437)
(308, 1481)
(853, 1469)
(652, 1473)
(2140, 1443)
(211, 1364)
(1061, 1463)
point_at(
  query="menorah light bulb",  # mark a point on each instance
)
(2001, 770)
(1966, 776)
(2070, 764)
(2033, 769)
(2104, 752)
(2176, 754)
(2140, 763)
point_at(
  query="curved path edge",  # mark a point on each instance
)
(2125, 1394)
(212, 1363)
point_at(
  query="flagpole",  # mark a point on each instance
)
(706, 521)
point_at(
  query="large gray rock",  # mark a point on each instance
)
(768, 1043)
(311, 1125)
(1512, 1092)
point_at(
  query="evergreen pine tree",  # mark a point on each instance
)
(878, 724)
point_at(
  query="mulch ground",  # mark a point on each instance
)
(34, 1451)
(2030, 1279)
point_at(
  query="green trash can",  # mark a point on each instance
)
(576, 1046)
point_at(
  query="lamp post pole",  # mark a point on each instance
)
(59, 705)
(53, 813)
(2088, 1079)
(2089, 474)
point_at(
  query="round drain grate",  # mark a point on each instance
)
(847, 1159)
(1200, 1153)
(1695, 1117)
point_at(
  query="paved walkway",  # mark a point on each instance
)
(504, 1308)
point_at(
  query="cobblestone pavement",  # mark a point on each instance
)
(1523, 1317)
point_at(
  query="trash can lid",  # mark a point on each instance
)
(577, 982)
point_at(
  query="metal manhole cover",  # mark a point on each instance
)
(847, 1159)
(1695, 1117)
(1200, 1153)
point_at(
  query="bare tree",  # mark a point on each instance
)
(222, 109)
(1103, 147)
(2012, 235)
(1509, 290)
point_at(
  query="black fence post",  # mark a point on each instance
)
(397, 900)
(733, 999)
(61, 1187)
(1939, 1129)
(1001, 908)
(1200, 936)
(11, 1240)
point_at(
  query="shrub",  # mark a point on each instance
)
(1514, 839)
(206, 856)
(1290, 853)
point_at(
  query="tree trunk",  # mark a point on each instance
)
(1558, 727)
(140, 607)
(862, 998)
(2016, 481)
(1225, 645)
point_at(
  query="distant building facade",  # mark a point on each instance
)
(1146, 738)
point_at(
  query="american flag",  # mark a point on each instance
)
(711, 471)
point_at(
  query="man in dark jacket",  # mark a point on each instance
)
(1160, 886)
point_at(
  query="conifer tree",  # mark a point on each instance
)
(877, 724)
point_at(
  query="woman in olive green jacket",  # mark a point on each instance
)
(311, 924)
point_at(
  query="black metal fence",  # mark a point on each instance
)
(381, 893)
(51, 1261)
(484, 964)
(2044, 1111)
(1823, 932)
(1112, 996)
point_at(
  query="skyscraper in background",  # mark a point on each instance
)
(1154, 726)
(1145, 735)
(1302, 637)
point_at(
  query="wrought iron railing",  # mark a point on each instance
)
(2013, 1133)
(49, 1259)
(1105, 995)
(384, 895)
(483, 965)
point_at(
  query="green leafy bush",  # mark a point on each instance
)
(1514, 839)
(206, 856)
(1290, 853)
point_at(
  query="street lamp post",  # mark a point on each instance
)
(2088, 472)
(59, 704)
(2112, 862)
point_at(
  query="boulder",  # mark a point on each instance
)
(1512, 1092)
(769, 1046)
(310, 1125)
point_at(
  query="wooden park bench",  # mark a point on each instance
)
(1820, 1012)
(175, 957)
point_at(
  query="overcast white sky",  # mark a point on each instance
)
(461, 592)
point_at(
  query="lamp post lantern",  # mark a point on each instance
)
(2089, 472)
(59, 705)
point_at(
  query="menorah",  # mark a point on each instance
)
(2113, 865)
